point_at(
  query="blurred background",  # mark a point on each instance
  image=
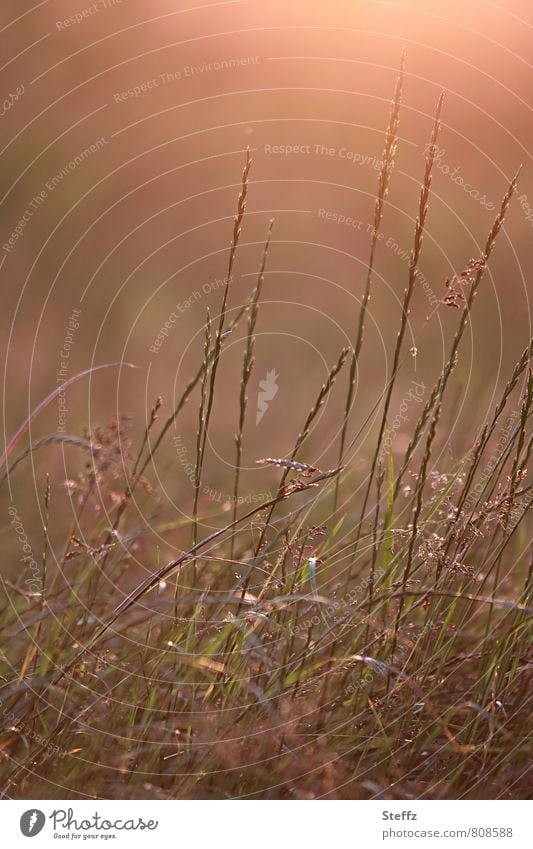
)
(124, 134)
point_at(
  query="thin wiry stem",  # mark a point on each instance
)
(152, 449)
(46, 401)
(134, 477)
(247, 365)
(391, 140)
(489, 429)
(491, 240)
(440, 386)
(153, 416)
(519, 462)
(418, 431)
(201, 425)
(322, 395)
(416, 518)
(132, 481)
(169, 568)
(241, 208)
(46, 541)
(52, 438)
(408, 294)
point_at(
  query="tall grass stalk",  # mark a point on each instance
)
(241, 208)
(408, 294)
(247, 365)
(389, 152)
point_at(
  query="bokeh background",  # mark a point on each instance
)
(138, 116)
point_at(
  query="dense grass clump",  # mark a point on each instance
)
(329, 642)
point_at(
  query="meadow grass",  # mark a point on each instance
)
(337, 646)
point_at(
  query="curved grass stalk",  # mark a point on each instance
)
(46, 401)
